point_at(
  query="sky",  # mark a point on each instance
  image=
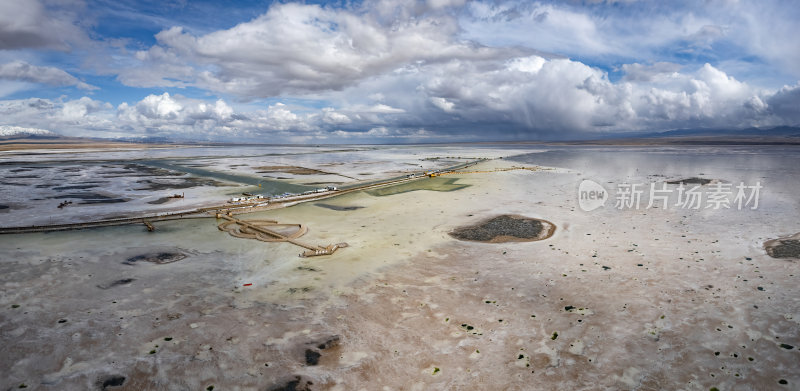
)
(405, 71)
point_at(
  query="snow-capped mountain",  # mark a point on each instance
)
(7, 131)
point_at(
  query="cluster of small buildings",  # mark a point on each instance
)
(257, 198)
(247, 199)
(315, 191)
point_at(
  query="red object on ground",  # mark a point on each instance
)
(247, 284)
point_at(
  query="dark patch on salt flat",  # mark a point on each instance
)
(90, 198)
(338, 207)
(312, 357)
(690, 181)
(162, 200)
(296, 384)
(329, 343)
(111, 381)
(788, 247)
(104, 201)
(158, 258)
(123, 281)
(81, 196)
(76, 187)
(506, 228)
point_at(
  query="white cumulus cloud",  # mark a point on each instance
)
(29, 24)
(300, 48)
(22, 71)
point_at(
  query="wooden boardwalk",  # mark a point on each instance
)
(260, 230)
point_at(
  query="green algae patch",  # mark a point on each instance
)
(430, 184)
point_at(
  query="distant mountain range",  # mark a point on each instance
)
(778, 131)
(18, 131)
(16, 135)
(19, 138)
(779, 135)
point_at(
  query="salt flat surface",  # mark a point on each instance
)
(659, 298)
